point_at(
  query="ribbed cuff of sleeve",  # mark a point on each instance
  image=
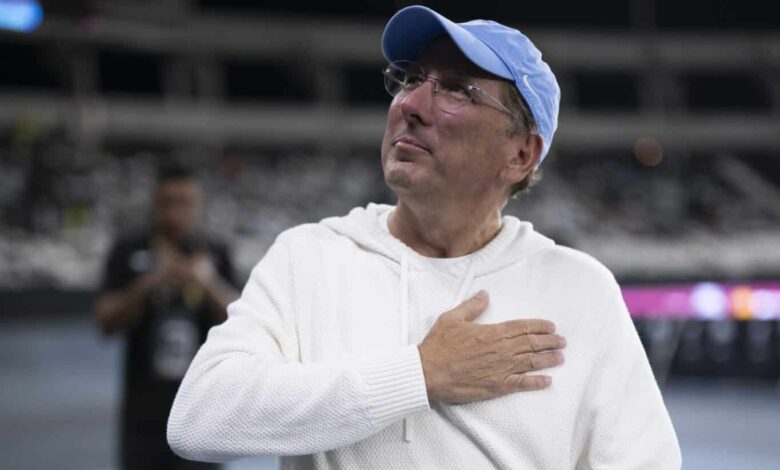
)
(396, 386)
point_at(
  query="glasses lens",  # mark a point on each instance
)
(395, 79)
(402, 75)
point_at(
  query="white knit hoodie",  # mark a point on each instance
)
(318, 362)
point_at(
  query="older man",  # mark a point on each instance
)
(413, 336)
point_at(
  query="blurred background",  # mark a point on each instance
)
(665, 167)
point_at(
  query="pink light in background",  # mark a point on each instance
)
(705, 301)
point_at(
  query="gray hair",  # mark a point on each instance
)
(522, 121)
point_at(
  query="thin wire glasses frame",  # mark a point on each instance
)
(404, 76)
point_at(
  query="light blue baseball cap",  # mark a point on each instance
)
(498, 49)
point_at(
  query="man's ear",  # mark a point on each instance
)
(525, 159)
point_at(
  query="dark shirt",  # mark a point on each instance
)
(164, 339)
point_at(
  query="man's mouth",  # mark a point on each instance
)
(410, 143)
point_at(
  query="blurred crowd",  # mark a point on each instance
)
(61, 209)
(60, 206)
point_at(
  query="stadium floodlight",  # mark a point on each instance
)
(20, 15)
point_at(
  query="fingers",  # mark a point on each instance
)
(514, 328)
(471, 308)
(536, 343)
(537, 361)
(527, 383)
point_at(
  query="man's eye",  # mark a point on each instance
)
(456, 89)
(414, 80)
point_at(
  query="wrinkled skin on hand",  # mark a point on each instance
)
(465, 362)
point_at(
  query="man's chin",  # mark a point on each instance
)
(405, 183)
(399, 174)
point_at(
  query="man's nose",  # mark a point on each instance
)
(418, 103)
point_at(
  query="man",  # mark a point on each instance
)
(163, 290)
(352, 345)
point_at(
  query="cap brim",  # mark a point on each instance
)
(411, 29)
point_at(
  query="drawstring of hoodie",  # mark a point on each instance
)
(404, 318)
(464, 286)
(404, 314)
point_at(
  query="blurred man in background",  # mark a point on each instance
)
(355, 343)
(163, 290)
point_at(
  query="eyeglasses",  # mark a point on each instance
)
(405, 76)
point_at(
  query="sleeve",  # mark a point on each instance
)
(246, 393)
(630, 426)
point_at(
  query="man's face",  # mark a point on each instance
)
(177, 207)
(447, 155)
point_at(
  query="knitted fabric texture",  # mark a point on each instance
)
(315, 363)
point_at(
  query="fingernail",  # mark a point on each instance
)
(561, 341)
(547, 380)
(559, 356)
(481, 295)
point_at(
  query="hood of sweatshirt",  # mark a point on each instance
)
(367, 228)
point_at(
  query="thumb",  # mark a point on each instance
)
(471, 308)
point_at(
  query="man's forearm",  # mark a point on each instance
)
(116, 310)
(220, 294)
(285, 408)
